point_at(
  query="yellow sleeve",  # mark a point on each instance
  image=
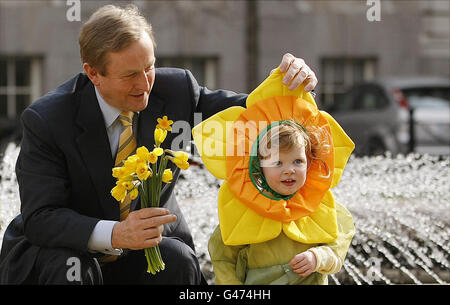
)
(228, 266)
(331, 256)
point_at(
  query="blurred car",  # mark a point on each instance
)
(376, 115)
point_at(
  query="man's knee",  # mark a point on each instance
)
(66, 266)
(180, 260)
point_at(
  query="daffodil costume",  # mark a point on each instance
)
(258, 234)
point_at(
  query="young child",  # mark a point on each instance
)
(284, 154)
(278, 221)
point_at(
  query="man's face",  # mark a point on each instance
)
(130, 75)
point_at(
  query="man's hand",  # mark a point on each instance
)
(141, 229)
(297, 73)
(304, 263)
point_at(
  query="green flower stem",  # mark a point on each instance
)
(154, 259)
(149, 263)
(152, 191)
(161, 262)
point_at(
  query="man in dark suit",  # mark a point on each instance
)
(70, 141)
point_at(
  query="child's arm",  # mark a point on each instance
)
(327, 259)
(318, 259)
(225, 259)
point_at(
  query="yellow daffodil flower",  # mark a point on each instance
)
(138, 166)
(143, 171)
(181, 155)
(167, 176)
(152, 157)
(143, 153)
(130, 164)
(182, 164)
(160, 135)
(164, 123)
(119, 172)
(128, 184)
(119, 192)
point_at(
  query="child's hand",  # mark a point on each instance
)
(304, 263)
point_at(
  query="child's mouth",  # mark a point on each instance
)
(288, 182)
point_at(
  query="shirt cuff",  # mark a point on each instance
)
(100, 240)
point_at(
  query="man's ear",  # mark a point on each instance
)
(92, 73)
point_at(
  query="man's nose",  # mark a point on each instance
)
(143, 82)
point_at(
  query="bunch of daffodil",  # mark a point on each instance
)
(143, 173)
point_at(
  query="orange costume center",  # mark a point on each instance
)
(276, 109)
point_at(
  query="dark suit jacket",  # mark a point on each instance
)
(64, 166)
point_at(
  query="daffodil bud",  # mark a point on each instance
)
(160, 136)
(181, 155)
(167, 176)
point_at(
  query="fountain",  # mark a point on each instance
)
(400, 205)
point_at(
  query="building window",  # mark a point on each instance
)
(338, 74)
(20, 84)
(204, 69)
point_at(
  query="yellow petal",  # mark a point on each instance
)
(141, 171)
(158, 151)
(152, 157)
(343, 147)
(142, 152)
(127, 184)
(164, 123)
(148, 174)
(160, 135)
(130, 164)
(318, 227)
(210, 138)
(273, 86)
(181, 155)
(118, 172)
(167, 176)
(180, 163)
(134, 193)
(241, 225)
(119, 192)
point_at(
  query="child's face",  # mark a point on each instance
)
(287, 173)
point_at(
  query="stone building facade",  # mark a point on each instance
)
(232, 44)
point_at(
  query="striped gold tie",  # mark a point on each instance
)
(127, 146)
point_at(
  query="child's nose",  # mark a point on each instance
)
(289, 170)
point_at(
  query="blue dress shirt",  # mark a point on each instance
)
(100, 240)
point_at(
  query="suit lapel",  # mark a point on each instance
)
(95, 150)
